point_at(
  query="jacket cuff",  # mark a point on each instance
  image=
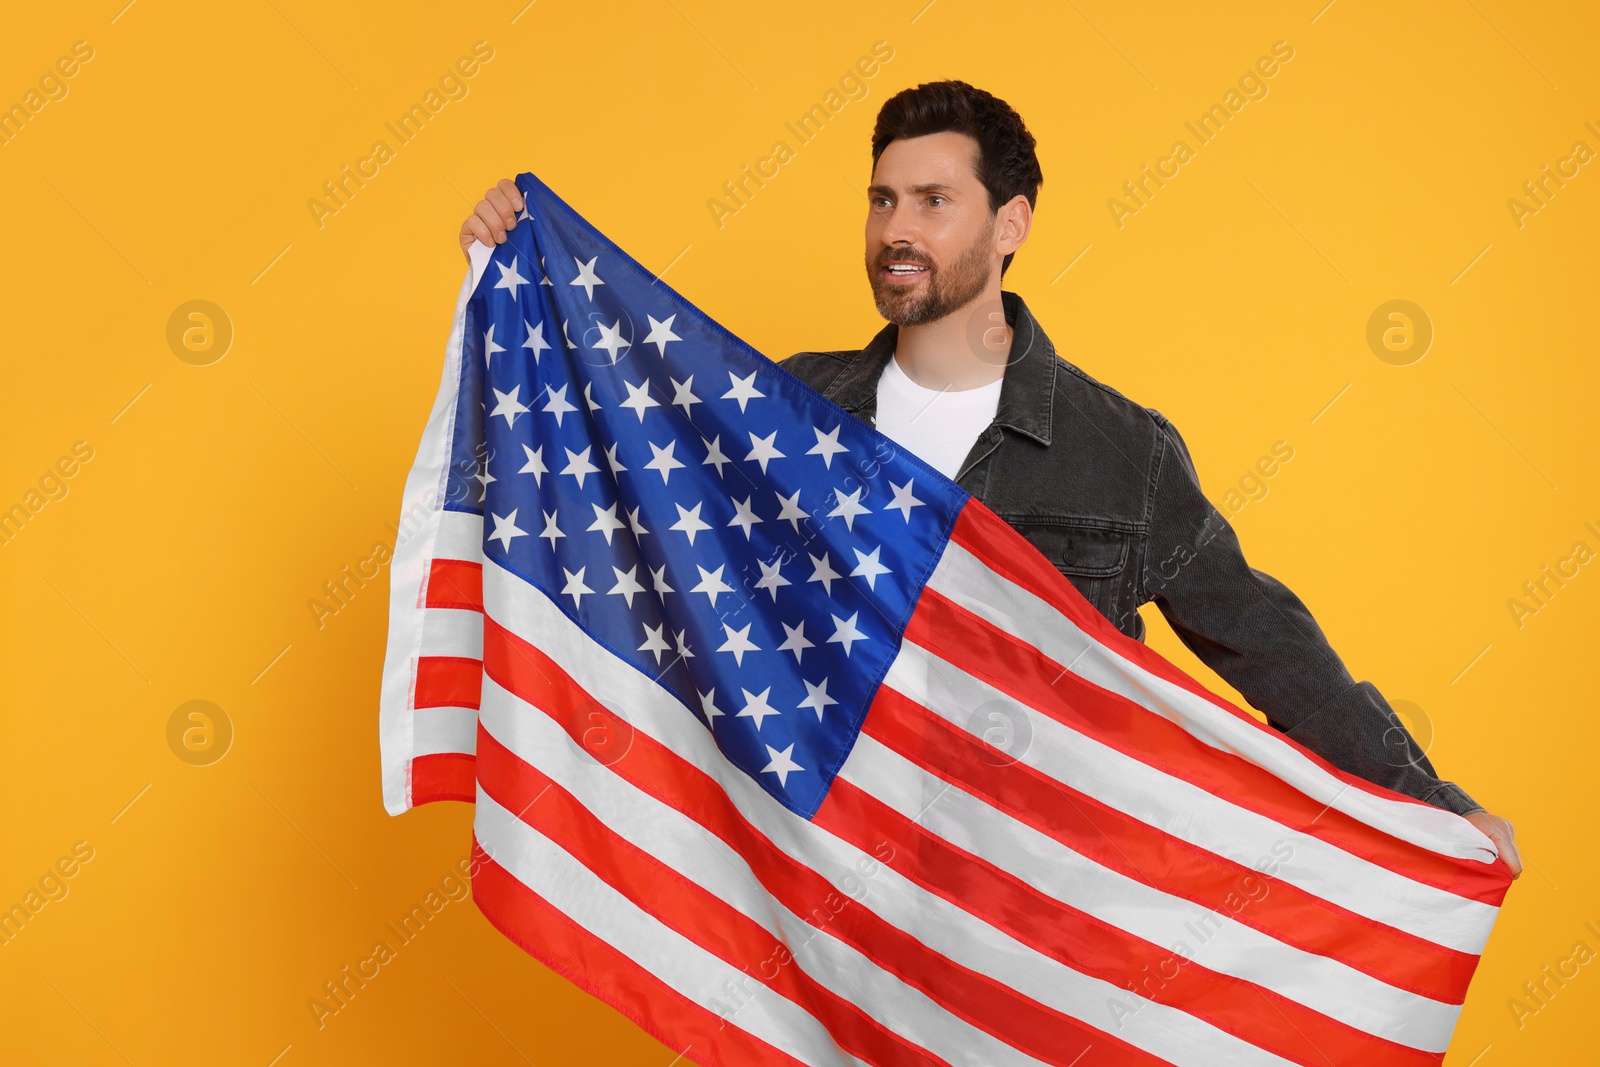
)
(1452, 797)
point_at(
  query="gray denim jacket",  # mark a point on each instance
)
(1106, 490)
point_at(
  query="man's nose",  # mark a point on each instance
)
(901, 226)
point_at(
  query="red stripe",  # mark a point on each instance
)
(682, 905)
(1124, 844)
(444, 776)
(1031, 1027)
(1033, 677)
(455, 583)
(546, 934)
(1256, 1014)
(448, 682)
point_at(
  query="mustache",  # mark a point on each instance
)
(903, 256)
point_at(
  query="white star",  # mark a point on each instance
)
(792, 510)
(823, 571)
(689, 521)
(711, 583)
(505, 529)
(743, 389)
(575, 587)
(660, 333)
(745, 516)
(588, 397)
(868, 567)
(763, 449)
(525, 215)
(509, 278)
(662, 460)
(655, 642)
(509, 405)
(586, 276)
(639, 398)
(535, 465)
(611, 458)
(558, 404)
(611, 339)
(756, 706)
(627, 584)
(551, 530)
(489, 347)
(578, 464)
(565, 336)
(771, 579)
(682, 397)
(485, 477)
(849, 507)
(683, 645)
(796, 640)
(817, 697)
(658, 580)
(708, 705)
(827, 445)
(714, 454)
(606, 522)
(903, 500)
(781, 764)
(738, 642)
(845, 632)
(634, 524)
(535, 339)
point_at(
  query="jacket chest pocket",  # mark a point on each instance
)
(1093, 558)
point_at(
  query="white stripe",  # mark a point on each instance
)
(941, 925)
(453, 632)
(460, 537)
(552, 872)
(440, 730)
(683, 845)
(967, 580)
(1190, 813)
(424, 494)
(1040, 861)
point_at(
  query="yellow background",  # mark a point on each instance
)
(220, 498)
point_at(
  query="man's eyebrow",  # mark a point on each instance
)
(926, 187)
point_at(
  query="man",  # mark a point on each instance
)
(964, 377)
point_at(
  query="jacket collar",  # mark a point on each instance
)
(1027, 390)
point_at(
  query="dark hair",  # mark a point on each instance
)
(1007, 164)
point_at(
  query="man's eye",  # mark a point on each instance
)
(931, 200)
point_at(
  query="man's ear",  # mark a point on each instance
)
(1013, 222)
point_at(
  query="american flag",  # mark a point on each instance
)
(792, 752)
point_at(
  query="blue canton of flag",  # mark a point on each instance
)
(708, 518)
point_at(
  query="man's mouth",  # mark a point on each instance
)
(904, 272)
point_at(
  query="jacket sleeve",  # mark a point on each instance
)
(1258, 635)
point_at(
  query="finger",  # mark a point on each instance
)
(513, 194)
(475, 228)
(502, 204)
(491, 219)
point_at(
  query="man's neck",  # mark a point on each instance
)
(966, 349)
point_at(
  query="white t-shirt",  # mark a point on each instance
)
(937, 425)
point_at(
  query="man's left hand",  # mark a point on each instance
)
(1499, 831)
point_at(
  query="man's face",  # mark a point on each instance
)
(928, 215)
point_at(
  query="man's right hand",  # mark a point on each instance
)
(494, 215)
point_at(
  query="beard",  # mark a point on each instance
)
(940, 292)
